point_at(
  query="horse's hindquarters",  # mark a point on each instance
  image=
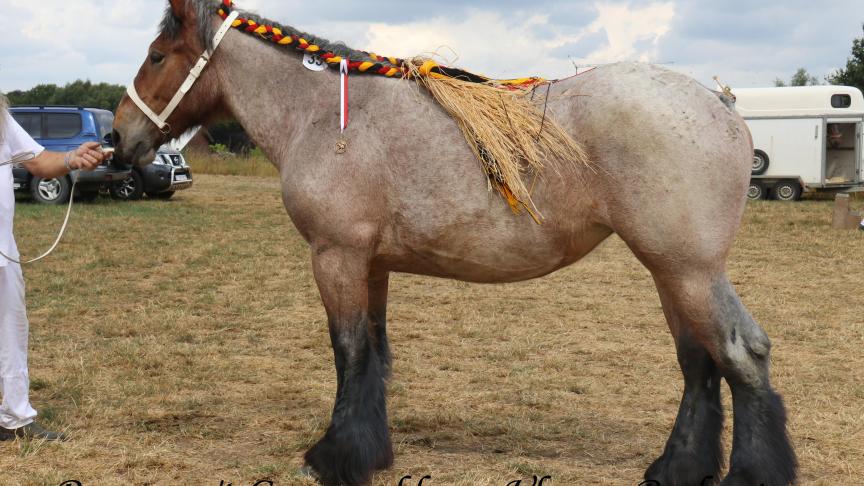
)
(674, 161)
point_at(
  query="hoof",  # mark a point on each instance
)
(683, 470)
(753, 478)
(738, 479)
(336, 461)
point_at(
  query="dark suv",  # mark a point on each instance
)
(159, 179)
(60, 129)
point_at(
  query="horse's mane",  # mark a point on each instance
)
(501, 123)
(205, 10)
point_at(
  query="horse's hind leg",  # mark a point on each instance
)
(761, 450)
(693, 451)
(708, 320)
(358, 440)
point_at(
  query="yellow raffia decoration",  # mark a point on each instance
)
(503, 128)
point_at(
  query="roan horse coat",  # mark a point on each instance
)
(671, 170)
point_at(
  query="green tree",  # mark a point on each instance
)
(78, 93)
(853, 73)
(800, 78)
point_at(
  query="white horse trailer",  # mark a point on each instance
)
(805, 139)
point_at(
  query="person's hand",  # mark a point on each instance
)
(86, 157)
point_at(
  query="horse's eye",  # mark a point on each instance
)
(156, 57)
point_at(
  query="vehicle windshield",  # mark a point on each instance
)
(104, 123)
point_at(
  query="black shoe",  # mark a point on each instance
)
(31, 431)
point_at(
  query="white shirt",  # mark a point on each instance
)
(13, 141)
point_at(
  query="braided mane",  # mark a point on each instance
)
(266, 29)
(498, 118)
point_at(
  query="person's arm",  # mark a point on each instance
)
(49, 165)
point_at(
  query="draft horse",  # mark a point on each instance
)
(672, 164)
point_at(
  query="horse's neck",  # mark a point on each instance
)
(271, 94)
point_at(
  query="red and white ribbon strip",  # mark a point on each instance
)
(343, 98)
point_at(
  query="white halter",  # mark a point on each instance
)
(161, 120)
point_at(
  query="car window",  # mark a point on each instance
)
(30, 122)
(62, 125)
(104, 122)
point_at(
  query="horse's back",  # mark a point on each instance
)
(668, 164)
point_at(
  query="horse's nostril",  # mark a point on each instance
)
(115, 138)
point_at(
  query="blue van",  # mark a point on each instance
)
(60, 129)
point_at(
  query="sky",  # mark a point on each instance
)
(745, 43)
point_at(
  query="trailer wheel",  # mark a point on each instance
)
(756, 191)
(760, 162)
(787, 191)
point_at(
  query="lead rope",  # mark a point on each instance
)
(24, 158)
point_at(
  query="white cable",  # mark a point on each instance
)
(59, 236)
(24, 158)
(20, 158)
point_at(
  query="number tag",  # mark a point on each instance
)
(313, 62)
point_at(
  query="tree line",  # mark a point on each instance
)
(79, 93)
(107, 96)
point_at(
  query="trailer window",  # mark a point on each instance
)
(841, 101)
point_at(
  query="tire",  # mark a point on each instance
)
(787, 191)
(757, 191)
(50, 191)
(760, 162)
(161, 195)
(129, 189)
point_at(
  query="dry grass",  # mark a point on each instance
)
(215, 164)
(184, 343)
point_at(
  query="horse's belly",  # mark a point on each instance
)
(493, 258)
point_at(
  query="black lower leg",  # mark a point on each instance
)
(761, 450)
(693, 453)
(358, 439)
(382, 346)
(378, 289)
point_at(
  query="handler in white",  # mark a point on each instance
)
(16, 413)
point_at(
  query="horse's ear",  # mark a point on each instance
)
(179, 7)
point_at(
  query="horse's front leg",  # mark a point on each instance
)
(358, 439)
(378, 289)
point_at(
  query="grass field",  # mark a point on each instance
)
(221, 164)
(184, 342)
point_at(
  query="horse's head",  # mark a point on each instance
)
(187, 30)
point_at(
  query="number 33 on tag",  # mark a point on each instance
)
(313, 62)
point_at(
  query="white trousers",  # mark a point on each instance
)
(15, 410)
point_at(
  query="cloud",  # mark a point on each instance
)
(57, 41)
(753, 43)
(520, 44)
(746, 43)
(518, 50)
(632, 32)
